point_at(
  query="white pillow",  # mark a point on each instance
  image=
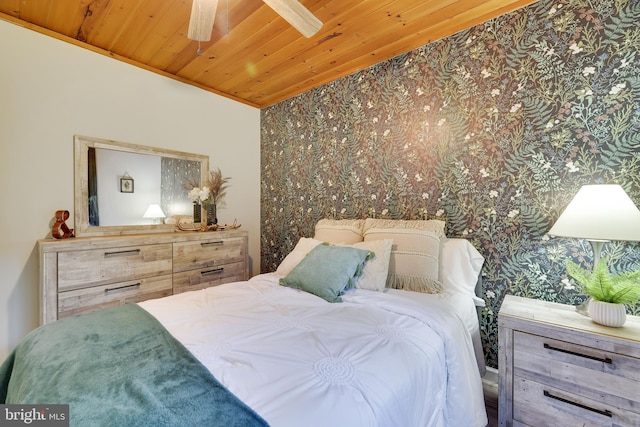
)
(347, 231)
(302, 248)
(460, 266)
(415, 254)
(374, 274)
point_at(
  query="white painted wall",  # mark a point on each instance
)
(146, 175)
(51, 90)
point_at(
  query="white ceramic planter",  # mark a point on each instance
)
(607, 314)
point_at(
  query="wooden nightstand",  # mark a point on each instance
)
(558, 368)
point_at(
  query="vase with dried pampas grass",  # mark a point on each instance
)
(213, 191)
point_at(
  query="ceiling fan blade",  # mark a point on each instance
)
(203, 13)
(297, 15)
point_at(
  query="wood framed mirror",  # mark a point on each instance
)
(116, 182)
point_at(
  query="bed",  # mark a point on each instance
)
(277, 349)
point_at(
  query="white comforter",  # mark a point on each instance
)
(377, 359)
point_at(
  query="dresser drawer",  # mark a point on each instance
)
(78, 269)
(606, 376)
(90, 299)
(540, 405)
(209, 253)
(87, 273)
(193, 280)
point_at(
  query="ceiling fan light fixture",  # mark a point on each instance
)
(203, 13)
(297, 15)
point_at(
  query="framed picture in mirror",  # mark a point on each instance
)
(126, 184)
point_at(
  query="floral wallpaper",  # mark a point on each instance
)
(493, 129)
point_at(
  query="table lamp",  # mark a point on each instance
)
(154, 211)
(599, 214)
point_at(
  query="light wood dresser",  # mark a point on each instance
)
(558, 368)
(86, 273)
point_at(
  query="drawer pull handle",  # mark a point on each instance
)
(216, 243)
(122, 288)
(573, 353)
(606, 413)
(122, 253)
(214, 271)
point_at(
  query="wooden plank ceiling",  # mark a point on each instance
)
(254, 55)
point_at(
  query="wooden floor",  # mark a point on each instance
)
(490, 387)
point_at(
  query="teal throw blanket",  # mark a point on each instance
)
(119, 367)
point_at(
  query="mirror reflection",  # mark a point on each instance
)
(116, 183)
(152, 180)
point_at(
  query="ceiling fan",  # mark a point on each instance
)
(203, 13)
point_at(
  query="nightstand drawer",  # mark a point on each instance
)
(193, 280)
(90, 299)
(559, 363)
(208, 253)
(542, 405)
(83, 268)
(559, 368)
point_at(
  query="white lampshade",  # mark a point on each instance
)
(203, 13)
(154, 211)
(599, 213)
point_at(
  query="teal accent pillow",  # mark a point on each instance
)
(327, 271)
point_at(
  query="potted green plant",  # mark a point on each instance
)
(609, 292)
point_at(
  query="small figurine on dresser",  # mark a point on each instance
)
(59, 230)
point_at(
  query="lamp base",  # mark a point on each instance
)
(596, 246)
(584, 307)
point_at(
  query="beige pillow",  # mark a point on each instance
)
(434, 225)
(347, 231)
(415, 254)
